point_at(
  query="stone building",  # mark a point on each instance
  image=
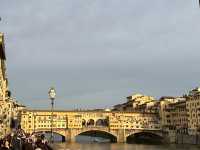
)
(3, 89)
(173, 115)
(3, 76)
(9, 108)
(134, 121)
(72, 123)
(179, 117)
(32, 120)
(193, 108)
(41, 119)
(166, 107)
(139, 103)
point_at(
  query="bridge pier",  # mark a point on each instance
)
(72, 140)
(70, 135)
(121, 137)
(67, 136)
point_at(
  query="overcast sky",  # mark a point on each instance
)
(97, 52)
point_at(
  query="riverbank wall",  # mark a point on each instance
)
(175, 138)
(187, 139)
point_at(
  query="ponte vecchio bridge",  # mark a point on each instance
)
(118, 126)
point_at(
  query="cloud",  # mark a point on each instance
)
(97, 52)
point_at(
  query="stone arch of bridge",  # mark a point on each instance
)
(148, 133)
(159, 134)
(105, 132)
(61, 133)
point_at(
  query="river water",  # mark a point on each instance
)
(87, 143)
(116, 146)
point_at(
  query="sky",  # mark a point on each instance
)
(98, 52)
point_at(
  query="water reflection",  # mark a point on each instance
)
(117, 146)
(88, 143)
(91, 139)
(57, 137)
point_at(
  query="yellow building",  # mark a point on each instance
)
(139, 103)
(9, 109)
(3, 77)
(70, 124)
(166, 105)
(173, 115)
(3, 89)
(193, 108)
(127, 120)
(36, 120)
(179, 117)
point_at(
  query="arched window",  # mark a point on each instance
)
(90, 122)
(83, 123)
(102, 122)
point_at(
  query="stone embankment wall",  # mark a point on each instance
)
(187, 139)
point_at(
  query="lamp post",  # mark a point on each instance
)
(52, 96)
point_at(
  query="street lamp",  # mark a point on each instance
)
(52, 96)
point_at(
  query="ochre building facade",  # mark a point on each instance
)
(119, 124)
(9, 108)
